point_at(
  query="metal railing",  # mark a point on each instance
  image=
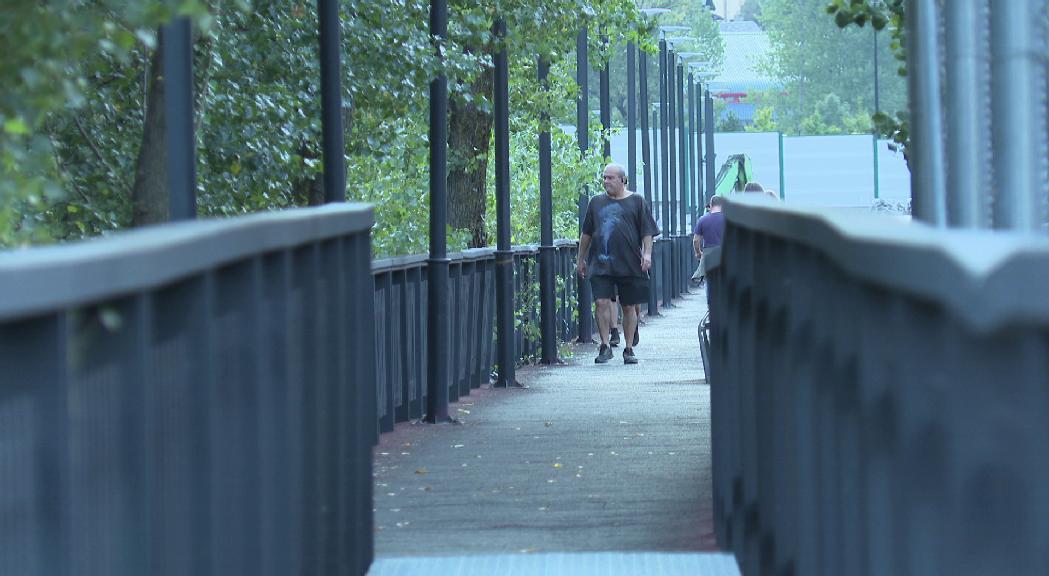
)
(878, 395)
(400, 327)
(203, 397)
(190, 399)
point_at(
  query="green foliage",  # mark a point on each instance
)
(764, 121)
(729, 123)
(813, 58)
(73, 125)
(54, 55)
(833, 116)
(751, 10)
(880, 14)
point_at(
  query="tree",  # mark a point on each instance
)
(258, 111)
(751, 10)
(881, 14)
(764, 121)
(813, 57)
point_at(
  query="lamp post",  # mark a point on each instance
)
(633, 107)
(703, 194)
(683, 176)
(604, 102)
(695, 145)
(176, 38)
(664, 170)
(674, 272)
(547, 300)
(583, 294)
(504, 254)
(438, 263)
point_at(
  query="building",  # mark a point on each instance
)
(728, 9)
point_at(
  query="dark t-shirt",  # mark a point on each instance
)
(616, 228)
(711, 227)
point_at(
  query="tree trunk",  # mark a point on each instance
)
(310, 188)
(469, 140)
(149, 193)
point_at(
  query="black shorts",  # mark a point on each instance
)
(631, 289)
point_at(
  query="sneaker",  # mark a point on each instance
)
(604, 355)
(637, 334)
(628, 356)
(614, 338)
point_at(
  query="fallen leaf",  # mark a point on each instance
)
(421, 471)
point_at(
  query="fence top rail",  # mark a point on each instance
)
(401, 263)
(989, 279)
(37, 280)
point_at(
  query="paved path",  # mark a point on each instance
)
(587, 458)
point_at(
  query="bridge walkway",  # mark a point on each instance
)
(601, 469)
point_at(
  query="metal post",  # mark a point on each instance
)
(437, 264)
(877, 109)
(877, 80)
(693, 172)
(646, 145)
(783, 169)
(877, 183)
(711, 172)
(683, 152)
(1018, 110)
(331, 102)
(657, 163)
(631, 116)
(968, 181)
(547, 302)
(664, 161)
(704, 194)
(605, 105)
(647, 161)
(671, 122)
(923, 78)
(177, 39)
(504, 254)
(583, 294)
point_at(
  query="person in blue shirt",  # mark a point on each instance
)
(709, 230)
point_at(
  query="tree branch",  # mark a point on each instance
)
(98, 153)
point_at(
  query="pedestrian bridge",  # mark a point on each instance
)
(208, 397)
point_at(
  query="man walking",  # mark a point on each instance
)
(708, 233)
(619, 228)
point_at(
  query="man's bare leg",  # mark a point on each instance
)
(629, 323)
(604, 319)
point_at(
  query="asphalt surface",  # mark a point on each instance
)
(585, 458)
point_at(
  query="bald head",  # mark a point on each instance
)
(614, 180)
(617, 170)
